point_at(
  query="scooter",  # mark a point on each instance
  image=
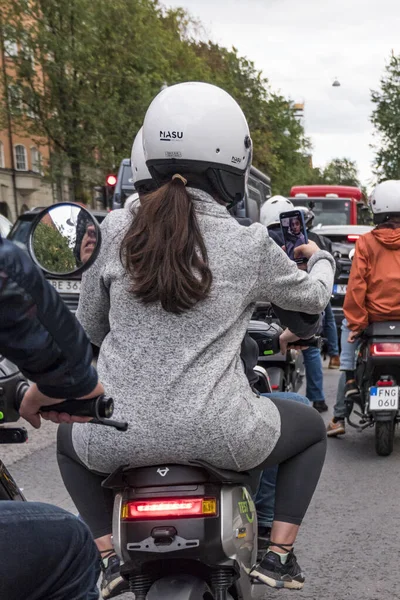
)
(378, 378)
(182, 532)
(285, 371)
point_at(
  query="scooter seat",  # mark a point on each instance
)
(383, 329)
(185, 474)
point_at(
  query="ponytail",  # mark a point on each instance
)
(163, 250)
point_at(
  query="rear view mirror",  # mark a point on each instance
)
(352, 253)
(65, 239)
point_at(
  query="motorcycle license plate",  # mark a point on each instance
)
(384, 398)
(340, 289)
(67, 286)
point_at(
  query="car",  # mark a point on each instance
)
(124, 186)
(67, 288)
(343, 238)
(5, 226)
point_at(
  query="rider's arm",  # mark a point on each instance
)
(302, 325)
(38, 332)
(354, 302)
(280, 281)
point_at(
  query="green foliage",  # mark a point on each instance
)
(341, 171)
(102, 62)
(52, 250)
(386, 119)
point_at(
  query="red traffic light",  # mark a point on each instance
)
(111, 180)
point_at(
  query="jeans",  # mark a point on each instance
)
(45, 554)
(314, 375)
(348, 353)
(265, 497)
(347, 363)
(339, 410)
(330, 331)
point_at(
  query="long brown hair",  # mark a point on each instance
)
(164, 252)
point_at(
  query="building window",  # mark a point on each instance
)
(2, 161)
(36, 160)
(15, 99)
(21, 163)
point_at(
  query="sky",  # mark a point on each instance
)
(301, 47)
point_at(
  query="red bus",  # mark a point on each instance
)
(333, 204)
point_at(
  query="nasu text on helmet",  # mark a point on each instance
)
(167, 136)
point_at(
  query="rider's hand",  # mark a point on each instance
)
(34, 400)
(306, 250)
(287, 337)
(353, 335)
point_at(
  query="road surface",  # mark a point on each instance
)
(349, 541)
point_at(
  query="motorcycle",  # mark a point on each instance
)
(378, 377)
(182, 532)
(285, 371)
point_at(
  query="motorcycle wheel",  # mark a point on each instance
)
(384, 437)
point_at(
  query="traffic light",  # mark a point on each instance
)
(111, 182)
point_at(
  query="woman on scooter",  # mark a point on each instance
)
(175, 284)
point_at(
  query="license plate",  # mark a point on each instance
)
(340, 289)
(384, 398)
(66, 286)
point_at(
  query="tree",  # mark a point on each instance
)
(386, 119)
(87, 71)
(52, 250)
(341, 171)
(280, 146)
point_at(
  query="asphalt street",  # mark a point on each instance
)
(348, 544)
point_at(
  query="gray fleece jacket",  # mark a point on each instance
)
(178, 379)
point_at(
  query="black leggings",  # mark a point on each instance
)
(299, 452)
(94, 503)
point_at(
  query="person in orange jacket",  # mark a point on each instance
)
(373, 291)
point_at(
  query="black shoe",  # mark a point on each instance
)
(113, 583)
(320, 406)
(351, 389)
(272, 572)
(263, 542)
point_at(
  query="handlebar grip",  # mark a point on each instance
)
(315, 342)
(97, 408)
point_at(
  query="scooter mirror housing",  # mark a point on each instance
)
(64, 240)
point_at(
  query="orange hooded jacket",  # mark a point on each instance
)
(373, 292)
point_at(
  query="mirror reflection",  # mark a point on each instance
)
(65, 239)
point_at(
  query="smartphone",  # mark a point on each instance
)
(294, 233)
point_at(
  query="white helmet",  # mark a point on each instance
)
(272, 208)
(385, 200)
(199, 131)
(141, 175)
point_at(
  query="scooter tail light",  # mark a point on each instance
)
(169, 508)
(384, 383)
(385, 349)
